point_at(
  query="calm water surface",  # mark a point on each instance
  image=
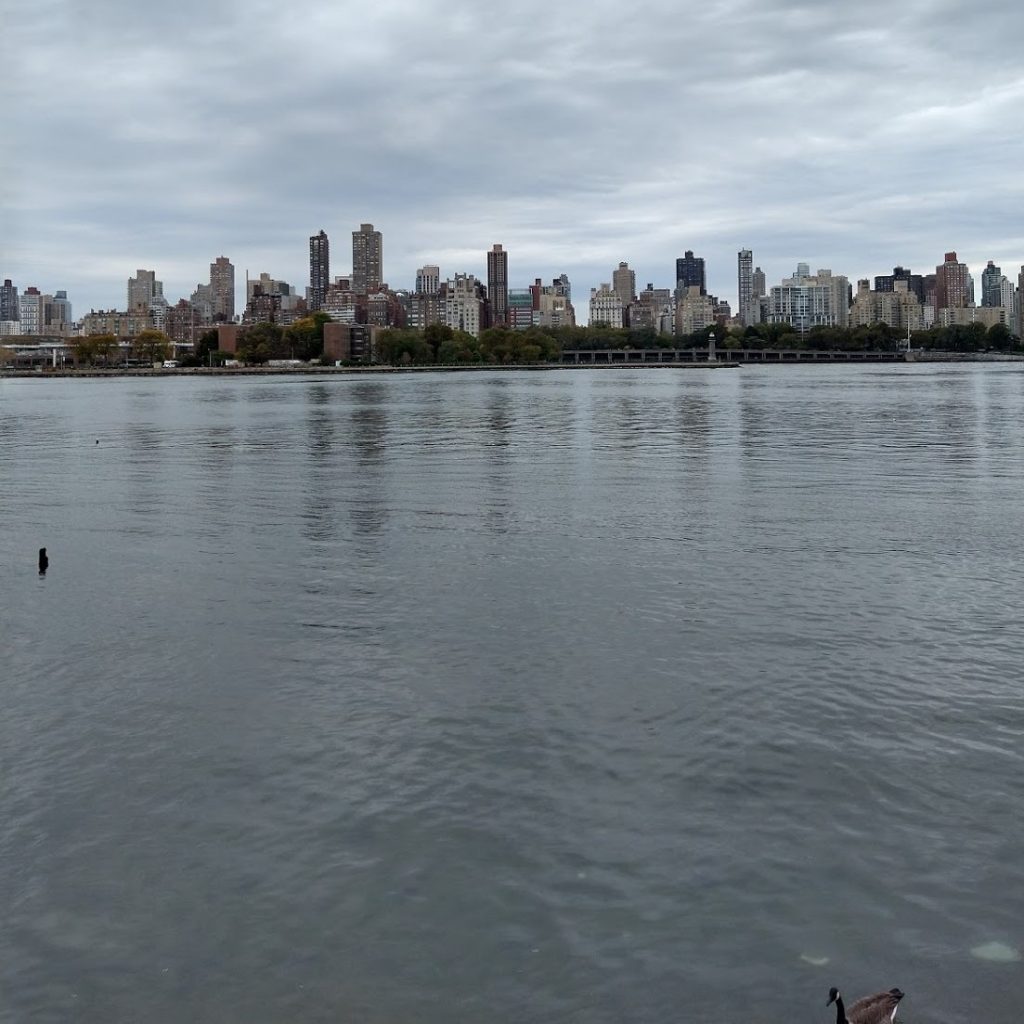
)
(596, 696)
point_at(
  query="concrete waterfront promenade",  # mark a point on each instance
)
(581, 359)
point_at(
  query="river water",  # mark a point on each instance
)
(596, 696)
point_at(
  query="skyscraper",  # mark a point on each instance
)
(951, 283)
(760, 289)
(497, 284)
(624, 284)
(808, 300)
(319, 269)
(745, 287)
(143, 290)
(991, 285)
(8, 301)
(915, 282)
(428, 280)
(367, 260)
(222, 289)
(32, 311)
(690, 273)
(1020, 303)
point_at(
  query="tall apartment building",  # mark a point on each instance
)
(623, 284)
(464, 304)
(319, 269)
(222, 290)
(606, 305)
(116, 322)
(808, 300)
(1020, 303)
(915, 282)
(428, 280)
(201, 302)
(1008, 297)
(759, 291)
(899, 307)
(952, 284)
(497, 284)
(9, 301)
(57, 311)
(747, 308)
(341, 303)
(695, 311)
(552, 303)
(520, 308)
(991, 285)
(367, 260)
(690, 274)
(422, 308)
(651, 307)
(32, 309)
(144, 290)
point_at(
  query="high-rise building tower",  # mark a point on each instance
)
(497, 285)
(319, 269)
(1019, 298)
(32, 311)
(9, 300)
(991, 285)
(952, 284)
(143, 291)
(745, 287)
(428, 280)
(760, 287)
(690, 273)
(624, 283)
(222, 290)
(367, 260)
(915, 282)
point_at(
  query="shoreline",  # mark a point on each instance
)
(812, 358)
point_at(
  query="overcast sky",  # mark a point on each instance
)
(848, 135)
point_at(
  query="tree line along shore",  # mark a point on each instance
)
(437, 344)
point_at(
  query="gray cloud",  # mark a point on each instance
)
(578, 135)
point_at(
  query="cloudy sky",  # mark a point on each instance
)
(578, 134)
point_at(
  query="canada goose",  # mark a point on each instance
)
(877, 1009)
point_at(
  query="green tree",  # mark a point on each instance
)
(436, 335)
(305, 338)
(401, 347)
(206, 345)
(151, 346)
(999, 337)
(262, 342)
(460, 348)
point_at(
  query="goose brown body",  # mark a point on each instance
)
(879, 1008)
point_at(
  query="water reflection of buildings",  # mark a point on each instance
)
(368, 432)
(499, 422)
(320, 514)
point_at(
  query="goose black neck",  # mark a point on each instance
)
(840, 1011)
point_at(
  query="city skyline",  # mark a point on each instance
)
(161, 141)
(363, 296)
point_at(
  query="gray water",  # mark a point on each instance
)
(596, 696)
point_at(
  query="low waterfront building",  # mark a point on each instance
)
(349, 342)
(964, 316)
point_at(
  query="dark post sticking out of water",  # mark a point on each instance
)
(43, 561)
